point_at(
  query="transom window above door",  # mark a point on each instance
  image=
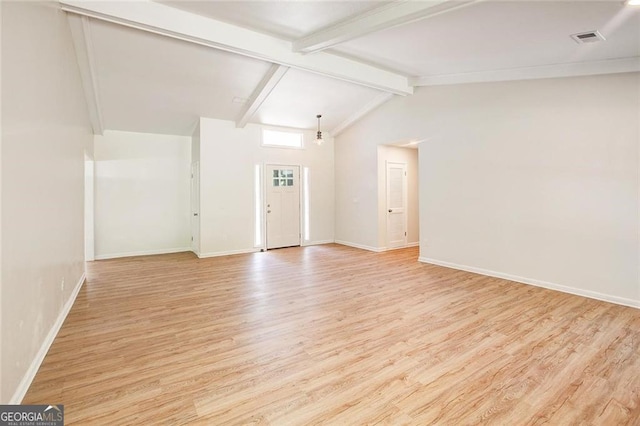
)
(283, 177)
(279, 139)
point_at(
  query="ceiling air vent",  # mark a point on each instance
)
(588, 37)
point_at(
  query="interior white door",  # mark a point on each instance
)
(283, 206)
(396, 205)
(195, 207)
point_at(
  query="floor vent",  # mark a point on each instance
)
(588, 37)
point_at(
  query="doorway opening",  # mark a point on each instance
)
(398, 215)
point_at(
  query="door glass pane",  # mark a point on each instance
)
(282, 177)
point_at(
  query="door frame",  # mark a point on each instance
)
(194, 208)
(265, 180)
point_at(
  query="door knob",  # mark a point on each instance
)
(268, 211)
(195, 214)
(390, 211)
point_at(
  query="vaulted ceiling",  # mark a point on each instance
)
(157, 66)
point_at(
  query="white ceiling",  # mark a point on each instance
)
(286, 19)
(301, 95)
(157, 67)
(502, 35)
(150, 83)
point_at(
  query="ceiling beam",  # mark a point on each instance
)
(390, 15)
(161, 19)
(81, 35)
(261, 92)
(373, 104)
(609, 66)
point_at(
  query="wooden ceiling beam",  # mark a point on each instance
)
(260, 94)
(381, 18)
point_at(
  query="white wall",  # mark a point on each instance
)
(356, 190)
(89, 240)
(533, 180)
(227, 160)
(142, 194)
(45, 131)
(195, 143)
(409, 157)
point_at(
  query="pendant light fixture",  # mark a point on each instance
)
(319, 134)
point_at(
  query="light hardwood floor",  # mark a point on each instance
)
(335, 335)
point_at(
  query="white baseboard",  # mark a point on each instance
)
(400, 247)
(142, 253)
(255, 249)
(318, 242)
(360, 246)
(227, 253)
(538, 283)
(28, 377)
(375, 249)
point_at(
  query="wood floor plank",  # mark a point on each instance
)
(335, 335)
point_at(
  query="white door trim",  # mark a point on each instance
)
(194, 211)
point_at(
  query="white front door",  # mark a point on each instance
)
(396, 205)
(283, 206)
(195, 207)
